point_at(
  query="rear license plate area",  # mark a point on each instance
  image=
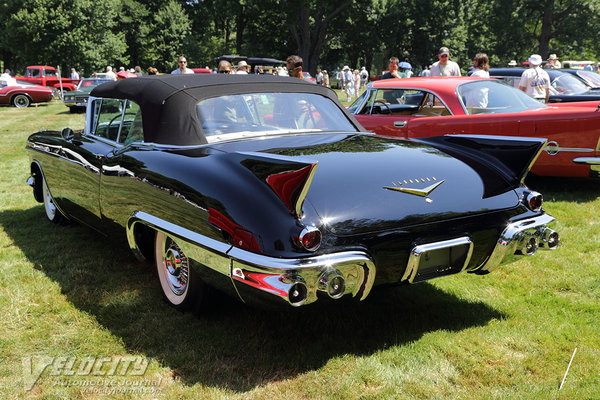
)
(432, 260)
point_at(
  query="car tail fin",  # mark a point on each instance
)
(290, 180)
(510, 156)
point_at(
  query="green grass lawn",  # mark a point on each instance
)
(66, 291)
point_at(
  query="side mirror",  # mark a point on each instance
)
(67, 133)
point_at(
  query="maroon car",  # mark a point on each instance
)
(22, 94)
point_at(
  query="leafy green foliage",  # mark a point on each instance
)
(66, 32)
(172, 25)
(90, 34)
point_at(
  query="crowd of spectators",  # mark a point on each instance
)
(534, 80)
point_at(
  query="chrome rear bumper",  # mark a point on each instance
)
(520, 238)
(298, 281)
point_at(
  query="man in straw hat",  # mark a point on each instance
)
(553, 62)
(242, 68)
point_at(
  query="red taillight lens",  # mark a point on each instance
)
(534, 201)
(310, 238)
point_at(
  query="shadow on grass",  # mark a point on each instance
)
(565, 189)
(231, 346)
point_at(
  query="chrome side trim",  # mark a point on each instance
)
(208, 252)
(512, 239)
(553, 148)
(416, 253)
(285, 278)
(587, 160)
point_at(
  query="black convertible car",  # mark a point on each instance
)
(268, 189)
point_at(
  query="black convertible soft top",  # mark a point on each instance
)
(168, 102)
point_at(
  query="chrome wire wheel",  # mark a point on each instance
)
(173, 269)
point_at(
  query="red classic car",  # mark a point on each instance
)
(435, 106)
(22, 94)
(45, 75)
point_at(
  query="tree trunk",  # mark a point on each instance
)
(240, 23)
(310, 40)
(547, 29)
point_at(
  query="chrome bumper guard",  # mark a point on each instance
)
(294, 280)
(522, 238)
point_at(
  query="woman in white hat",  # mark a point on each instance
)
(535, 81)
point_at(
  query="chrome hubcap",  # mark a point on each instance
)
(176, 268)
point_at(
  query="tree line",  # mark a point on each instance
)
(91, 34)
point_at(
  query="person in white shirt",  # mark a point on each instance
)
(481, 65)
(183, 69)
(74, 74)
(110, 74)
(444, 67)
(535, 81)
(478, 96)
(6, 75)
(364, 75)
(242, 68)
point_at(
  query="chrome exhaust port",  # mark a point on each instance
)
(333, 283)
(297, 294)
(550, 239)
(528, 245)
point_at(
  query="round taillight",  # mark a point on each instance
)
(310, 238)
(534, 201)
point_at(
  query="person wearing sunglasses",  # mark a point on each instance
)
(182, 67)
(294, 66)
(444, 67)
(224, 67)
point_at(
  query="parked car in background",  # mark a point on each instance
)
(564, 86)
(23, 94)
(268, 189)
(423, 107)
(202, 70)
(577, 64)
(77, 99)
(378, 76)
(45, 75)
(257, 65)
(590, 78)
(335, 80)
